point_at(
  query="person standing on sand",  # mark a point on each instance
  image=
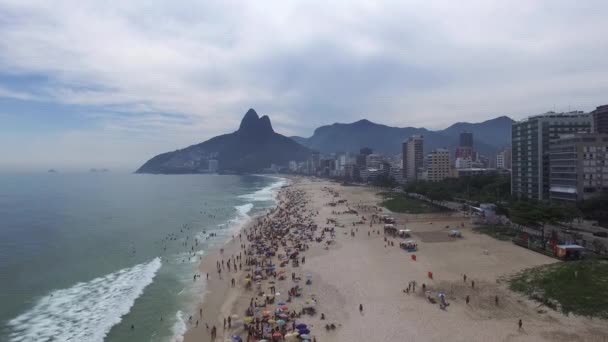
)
(520, 323)
(468, 299)
(360, 307)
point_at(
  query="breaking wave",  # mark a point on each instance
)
(86, 311)
(266, 194)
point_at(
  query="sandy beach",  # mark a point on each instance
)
(358, 278)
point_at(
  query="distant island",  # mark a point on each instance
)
(52, 171)
(254, 147)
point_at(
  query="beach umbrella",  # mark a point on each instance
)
(304, 331)
(281, 303)
(266, 313)
(305, 337)
(284, 308)
(281, 322)
(248, 319)
(277, 335)
(301, 326)
(236, 338)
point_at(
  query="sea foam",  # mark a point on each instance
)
(265, 194)
(179, 328)
(86, 311)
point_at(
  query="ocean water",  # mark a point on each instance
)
(83, 257)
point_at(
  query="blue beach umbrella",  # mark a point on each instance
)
(236, 338)
(301, 326)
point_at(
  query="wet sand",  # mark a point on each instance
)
(365, 269)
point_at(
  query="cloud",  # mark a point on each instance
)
(305, 63)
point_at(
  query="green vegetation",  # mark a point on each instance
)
(596, 208)
(385, 182)
(478, 189)
(578, 287)
(539, 214)
(499, 232)
(400, 203)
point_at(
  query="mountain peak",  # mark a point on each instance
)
(363, 122)
(254, 125)
(265, 125)
(249, 120)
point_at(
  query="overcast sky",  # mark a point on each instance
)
(112, 83)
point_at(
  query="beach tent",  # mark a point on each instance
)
(455, 233)
(405, 233)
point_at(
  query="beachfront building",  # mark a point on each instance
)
(600, 119)
(463, 163)
(438, 165)
(373, 160)
(293, 166)
(503, 159)
(213, 165)
(412, 157)
(579, 167)
(531, 139)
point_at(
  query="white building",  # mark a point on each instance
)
(293, 166)
(463, 163)
(213, 165)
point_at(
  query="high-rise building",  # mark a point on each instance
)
(412, 157)
(362, 157)
(438, 165)
(600, 119)
(466, 139)
(531, 139)
(503, 159)
(579, 166)
(213, 165)
(315, 161)
(373, 160)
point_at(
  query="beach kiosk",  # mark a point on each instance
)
(409, 245)
(390, 229)
(455, 233)
(405, 233)
(569, 252)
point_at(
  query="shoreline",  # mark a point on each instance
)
(217, 291)
(362, 266)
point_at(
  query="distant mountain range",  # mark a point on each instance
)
(254, 147)
(489, 136)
